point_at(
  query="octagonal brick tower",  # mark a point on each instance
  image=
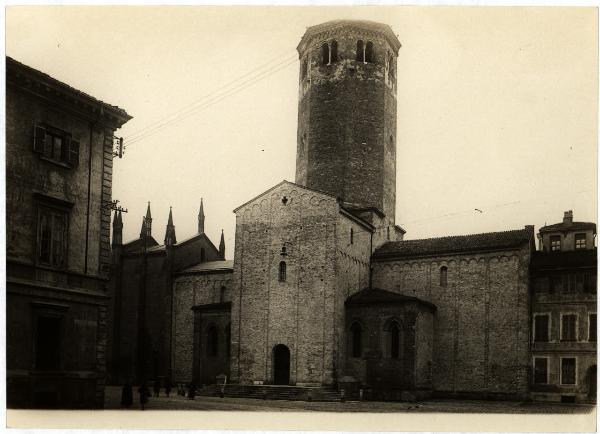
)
(347, 115)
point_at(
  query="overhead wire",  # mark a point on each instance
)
(212, 98)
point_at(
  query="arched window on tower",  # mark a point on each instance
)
(369, 53)
(351, 236)
(333, 51)
(391, 71)
(212, 341)
(356, 332)
(360, 51)
(222, 294)
(202, 254)
(444, 276)
(325, 53)
(282, 271)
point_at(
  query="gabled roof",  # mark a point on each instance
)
(490, 241)
(138, 244)
(211, 266)
(18, 72)
(382, 296)
(277, 186)
(574, 226)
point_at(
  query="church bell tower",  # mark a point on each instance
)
(347, 115)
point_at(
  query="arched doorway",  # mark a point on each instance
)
(281, 364)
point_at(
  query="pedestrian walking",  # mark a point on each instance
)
(143, 391)
(127, 396)
(156, 387)
(192, 391)
(168, 386)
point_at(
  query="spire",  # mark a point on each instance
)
(143, 230)
(117, 229)
(170, 238)
(222, 245)
(201, 218)
(148, 222)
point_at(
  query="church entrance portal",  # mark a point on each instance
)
(281, 364)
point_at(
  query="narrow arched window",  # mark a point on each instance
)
(222, 294)
(202, 255)
(369, 53)
(282, 271)
(394, 340)
(360, 51)
(212, 341)
(334, 53)
(356, 333)
(444, 276)
(391, 71)
(325, 53)
(351, 236)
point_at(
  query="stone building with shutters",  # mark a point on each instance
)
(144, 276)
(564, 312)
(324, 292)
(59, 159)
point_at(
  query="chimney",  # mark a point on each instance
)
(568, 218)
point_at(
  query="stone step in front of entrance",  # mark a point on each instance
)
(289, 393)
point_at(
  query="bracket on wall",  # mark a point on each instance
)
(113, 206)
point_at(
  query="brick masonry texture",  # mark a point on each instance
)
(305, 312)
(193, 290)
(350, 154)
(482, 319)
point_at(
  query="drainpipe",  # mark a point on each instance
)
(89, 191)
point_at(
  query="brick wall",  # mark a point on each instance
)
(482, 321)
(301, 312)
(351, 154)
(191, 290)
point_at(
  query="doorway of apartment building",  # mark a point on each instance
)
(592, 383)
(281, 364)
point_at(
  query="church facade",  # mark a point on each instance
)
(324, 292)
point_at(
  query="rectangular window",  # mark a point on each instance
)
(592, 328)
(48, 343)
(568, 371)
(580, 241)
(568, 327)
(555, 243)
(541, 328)
(56, 145)
(540, 370)
(52, 237)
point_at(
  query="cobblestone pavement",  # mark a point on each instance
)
(175, 402)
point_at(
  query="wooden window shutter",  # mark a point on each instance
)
(39, 139)
(74, 153)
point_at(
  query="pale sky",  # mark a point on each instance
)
(497, 107)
